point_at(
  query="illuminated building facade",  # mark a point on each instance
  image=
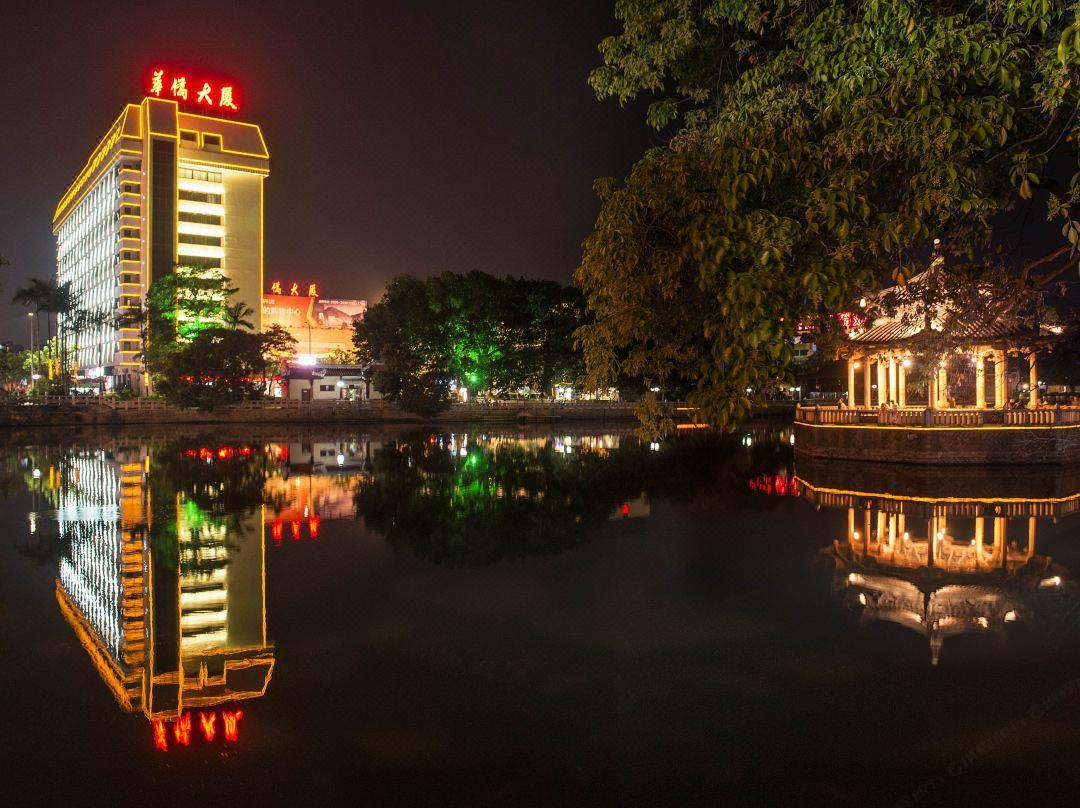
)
(169, 604)
(164, 187)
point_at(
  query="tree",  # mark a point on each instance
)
(815, 150)
(475, 331)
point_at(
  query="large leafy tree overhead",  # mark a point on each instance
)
(816, 148)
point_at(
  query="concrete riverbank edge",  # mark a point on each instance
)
(942, 446)
(79, 413)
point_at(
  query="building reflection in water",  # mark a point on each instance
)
(167, 596)
(952, 556)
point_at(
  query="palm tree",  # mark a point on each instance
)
(50, 297)
(236, 316)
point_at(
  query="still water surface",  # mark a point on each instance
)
(508, 617)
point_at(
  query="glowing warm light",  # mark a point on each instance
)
(182, 729)
(231, 724)
(906, 363)
(295, 525)
(313, 526)
(276, 530)
(160, 739)
(855, 535)
(208, 722)
(862, 599)
(1010, 616)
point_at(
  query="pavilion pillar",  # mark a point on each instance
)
(980, 529)
(1033, 381)
(866, 382)
(942, 385)
(901, 385)
(892, 380)
(999, 540)
(866, 530)
(1031, 538)
(901, 524)
(980, 381)
(882, 383)
(851, 526)
(880, 526)
(851, 381)
(999, 379)
(931, 540)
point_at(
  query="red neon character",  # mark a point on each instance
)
(160, 740)
(204, 95)
(295, 524)
(157, 82)
(231, 724)
(313, 526)
(276, 529)
(179, 87)
(227, 98)
(275, 288)
(312, 290)
(294, 289)
(207, 721)
(182, 729)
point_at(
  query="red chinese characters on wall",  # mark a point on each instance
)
(206, 94)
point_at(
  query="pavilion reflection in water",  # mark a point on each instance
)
(943, 561)
(170, 609)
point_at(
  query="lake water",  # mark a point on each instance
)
(529, 616)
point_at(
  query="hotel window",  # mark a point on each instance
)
(129, 277)
(199, 218)
(130, 232)
(211, 142)
(187, 136)
(129, 255)
(326, 388)
(131, 187)
(130, 210)
(198, 196)
(209, 241)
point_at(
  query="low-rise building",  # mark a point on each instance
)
(328, 382)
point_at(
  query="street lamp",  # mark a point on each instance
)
(33, 374)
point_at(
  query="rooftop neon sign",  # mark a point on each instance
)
(181, 88)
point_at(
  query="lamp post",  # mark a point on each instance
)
(33, 371)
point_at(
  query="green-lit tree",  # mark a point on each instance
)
(813, 151)
(475, 331)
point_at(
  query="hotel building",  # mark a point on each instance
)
(163, 188)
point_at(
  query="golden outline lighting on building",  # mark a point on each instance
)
(164, 187)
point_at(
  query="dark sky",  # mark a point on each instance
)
(405, 137)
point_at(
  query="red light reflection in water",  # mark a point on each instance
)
(208, 724)
(182, 729)
(231, 722)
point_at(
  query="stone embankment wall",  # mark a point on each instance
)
(940, 445)
(78, 412)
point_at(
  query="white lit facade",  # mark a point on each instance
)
(164, 188)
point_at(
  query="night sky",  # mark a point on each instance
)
(404, 137)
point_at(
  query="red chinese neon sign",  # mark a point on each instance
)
(200, 93)
(208, 725)
(278, 288)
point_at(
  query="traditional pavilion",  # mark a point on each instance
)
(881, 351)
